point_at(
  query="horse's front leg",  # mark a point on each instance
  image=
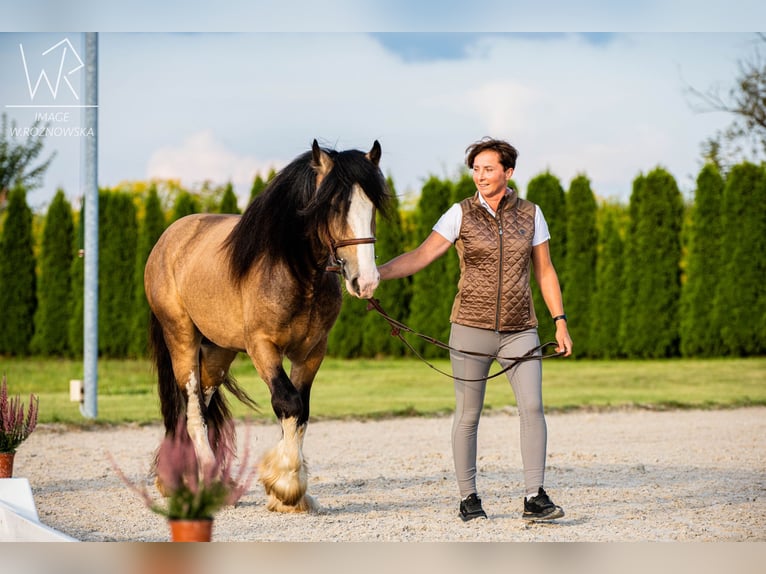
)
(283, 470)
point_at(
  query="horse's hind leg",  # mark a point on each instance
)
(214, 371)
(184, 348)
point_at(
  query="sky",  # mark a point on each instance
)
(179, 100)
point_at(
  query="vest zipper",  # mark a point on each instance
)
(499, 272)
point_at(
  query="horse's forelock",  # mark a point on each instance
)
(292, 207)
(352, 167)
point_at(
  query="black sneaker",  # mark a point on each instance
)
(541, 507)
(470, 508)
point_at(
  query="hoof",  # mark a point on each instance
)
(305, 504)
(288, 488)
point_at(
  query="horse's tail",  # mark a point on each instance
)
(219, 419)
(220, 428)
(172, 400)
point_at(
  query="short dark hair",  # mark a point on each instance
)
(506, 151)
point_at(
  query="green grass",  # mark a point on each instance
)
(392, 387)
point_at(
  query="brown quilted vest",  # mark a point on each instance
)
(495, 259)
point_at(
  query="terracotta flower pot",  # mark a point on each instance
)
(6, 464)
(197, 530)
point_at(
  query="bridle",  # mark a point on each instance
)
(336, 263)
(534, 354)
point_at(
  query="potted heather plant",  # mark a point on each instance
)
(192, 496)
(15, 428)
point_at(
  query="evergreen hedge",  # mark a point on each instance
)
(185, 204)
(151, 227)
(118, 235)
(700, 333)
(18, 281)
(546, 191)
(739, 298)
(629, 316)
(55, 287)
(657, 252)
(636, 304)
(579, 272)
(606, 307)
(229, 201)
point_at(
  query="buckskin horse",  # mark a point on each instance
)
(262, 283)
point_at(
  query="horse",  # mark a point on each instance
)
(266, 283)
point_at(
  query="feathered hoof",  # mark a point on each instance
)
(289, 489)
(282, 480)
(307, 503)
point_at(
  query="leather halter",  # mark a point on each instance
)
(336, 263)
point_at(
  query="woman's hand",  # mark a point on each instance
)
(563, 339)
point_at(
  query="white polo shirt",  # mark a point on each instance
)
(449, 223)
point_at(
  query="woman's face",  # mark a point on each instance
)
(488, 173)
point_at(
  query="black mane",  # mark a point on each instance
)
(284, 222)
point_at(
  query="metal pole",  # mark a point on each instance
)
(89, 406)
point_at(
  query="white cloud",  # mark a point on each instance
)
(203, 157)
(503, 107)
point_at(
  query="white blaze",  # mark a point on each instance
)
(360, 218)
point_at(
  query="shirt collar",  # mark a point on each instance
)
(485, 205)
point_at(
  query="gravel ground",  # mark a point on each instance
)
(621, 476)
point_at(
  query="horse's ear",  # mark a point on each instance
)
(374, 154)
(320, 161)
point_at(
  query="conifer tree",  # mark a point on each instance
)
(117, 260)
(185, 204)
(580, 266)
(18, 298)
(739, 299)
(259, 184)
(606, 305)
(150, 229)
(54, 286)
(630, 273)
(657, 253)
(700, 336)
(546, 191)
(229, 201)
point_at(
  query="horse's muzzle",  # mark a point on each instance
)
(363, 287)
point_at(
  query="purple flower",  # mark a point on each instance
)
(14, 427)
(191, 491)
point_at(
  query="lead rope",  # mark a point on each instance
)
(396, 331)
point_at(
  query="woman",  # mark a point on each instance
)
(497, 236)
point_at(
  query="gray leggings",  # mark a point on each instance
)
(526, 381)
